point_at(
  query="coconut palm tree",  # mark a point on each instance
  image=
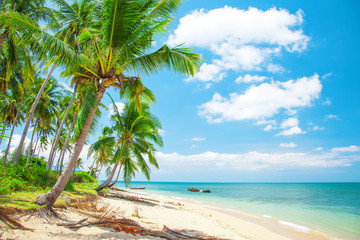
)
(102, 150)
(119, 42)
(46, 47)
(49, 102)
(17, 72)
(60, 128)
(74, 19)
(79, 164)
(64, 147)
(34, 9)
(3, 135)
(136, 134)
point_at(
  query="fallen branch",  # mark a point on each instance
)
(180, 234)
(11, 222)
(123, 221)
(131, 198)
(118, 189)
(69, 225)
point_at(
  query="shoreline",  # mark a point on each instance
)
(287, 229)
(179, 214)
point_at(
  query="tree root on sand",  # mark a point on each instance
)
(13, 224)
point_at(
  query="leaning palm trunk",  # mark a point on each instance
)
(117, 178)
(73, 172)
(13, 128)
(37, 141)
(30, 145)
(50, 197)
(58, 133)
(92, 173)
(96, 169)
(31, 114)
(62, 154)
(101, 167)
(108, 181)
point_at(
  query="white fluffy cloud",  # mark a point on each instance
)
(268, 128)
(273, 68)
(352, 148)
(16, 140)
(241, 39)
(263, 101)
(332, 116)
(198, 139)
(229, 24)
(254, 160)
(287, 145)
(120, 106)
(250, 78)
(291, 126)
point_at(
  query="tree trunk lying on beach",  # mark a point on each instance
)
(132, 198)
(134, 228)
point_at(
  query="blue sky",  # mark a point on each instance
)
(276, 99)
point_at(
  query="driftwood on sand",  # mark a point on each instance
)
(134, 228)
(13, 224)
(132, 198)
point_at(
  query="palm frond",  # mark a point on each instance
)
(43, 44)
(180, 60)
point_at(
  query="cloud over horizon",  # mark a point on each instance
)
(256, 160)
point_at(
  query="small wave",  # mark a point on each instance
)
(267, 216)
(250, 215)
(296, 226)
(212, 207)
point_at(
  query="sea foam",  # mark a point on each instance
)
(295, 226)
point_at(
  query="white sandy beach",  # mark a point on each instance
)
(189, 218)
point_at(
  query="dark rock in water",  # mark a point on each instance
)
(206, 190)
(193, 190)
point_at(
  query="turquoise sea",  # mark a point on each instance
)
(331, 208)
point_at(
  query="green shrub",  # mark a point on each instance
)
(33, 176)
(83, 177)
(26, 177)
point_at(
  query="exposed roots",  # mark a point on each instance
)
(47, 213)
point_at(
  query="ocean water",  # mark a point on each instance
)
(331, 208)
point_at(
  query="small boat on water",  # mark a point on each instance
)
(137, 187)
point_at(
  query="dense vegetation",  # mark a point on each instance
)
(96, 44)
(34, 177)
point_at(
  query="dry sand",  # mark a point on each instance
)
(192, 218)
